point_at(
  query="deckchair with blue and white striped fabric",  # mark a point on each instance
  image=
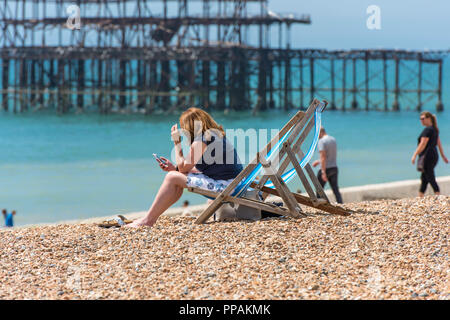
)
(287, 143)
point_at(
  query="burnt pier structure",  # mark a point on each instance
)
(152, 56)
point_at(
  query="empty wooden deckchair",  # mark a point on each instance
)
(284, 147)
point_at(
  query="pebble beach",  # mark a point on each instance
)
(388, 249)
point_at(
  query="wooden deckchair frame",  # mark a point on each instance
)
(301, 124)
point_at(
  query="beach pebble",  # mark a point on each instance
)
(389, 249)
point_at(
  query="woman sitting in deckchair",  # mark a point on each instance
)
(212, 163)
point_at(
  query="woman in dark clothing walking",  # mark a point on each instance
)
(427, 142)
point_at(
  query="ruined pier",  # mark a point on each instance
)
(162, 56)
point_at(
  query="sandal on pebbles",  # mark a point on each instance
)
(116, 222)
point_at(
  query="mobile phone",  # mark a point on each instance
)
(157, 158)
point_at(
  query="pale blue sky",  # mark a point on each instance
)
(341, 24)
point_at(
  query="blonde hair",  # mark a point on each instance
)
(192, 115)
(428, 114)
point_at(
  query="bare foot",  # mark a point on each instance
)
(137, 224)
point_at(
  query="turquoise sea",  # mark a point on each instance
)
(78, 166)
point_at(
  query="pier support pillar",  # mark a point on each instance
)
(344, 82)
(440, 105)
(385, 83)
(221, 85)
(311, 74)
(5, 83)
(333, 93)
(205, 83)
(419, 85)
(262, 82)
(396, 105)
(366, 64)
(287, 82)
(302, 107)
(354, 90)
(165, 84)
(271, 73)
(80, 94)
(153, 85)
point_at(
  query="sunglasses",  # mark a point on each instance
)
(421, 119)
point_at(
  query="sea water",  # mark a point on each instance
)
(56, 168)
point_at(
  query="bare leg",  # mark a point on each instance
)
(169, 193)
(421, 194)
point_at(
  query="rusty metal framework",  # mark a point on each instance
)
(158, 56)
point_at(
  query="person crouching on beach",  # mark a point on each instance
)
(212, 163)
(9, 222)
(427, 142)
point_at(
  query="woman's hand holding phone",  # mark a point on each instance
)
(166, 165)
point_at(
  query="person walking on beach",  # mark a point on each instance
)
(9, 222)
(212, 163)
(427, 152)
(328, 165)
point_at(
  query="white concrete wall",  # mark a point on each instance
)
(390, 190)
